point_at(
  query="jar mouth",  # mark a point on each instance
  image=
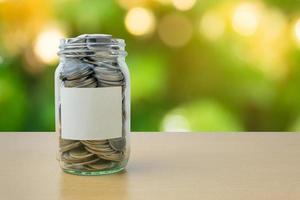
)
(92, 45)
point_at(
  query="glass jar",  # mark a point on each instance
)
(92, 101)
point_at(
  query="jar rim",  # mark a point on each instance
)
(98, 42)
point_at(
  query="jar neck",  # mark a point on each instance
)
(93, 47)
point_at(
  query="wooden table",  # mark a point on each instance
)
(254, 166)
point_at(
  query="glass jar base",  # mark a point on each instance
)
(94, 173)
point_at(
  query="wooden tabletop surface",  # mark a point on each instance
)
(240, 166)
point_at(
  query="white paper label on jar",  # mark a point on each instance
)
(91, 113)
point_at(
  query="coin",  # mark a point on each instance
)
(75, 69)
(99, 149)
(70, 146)
(110, 83)
(64, 142)
(117, 144)
(94, 141)
(109, 77)
(100, 165)
(80, 153)
(82, 163)
(66, 157)
(113, 157)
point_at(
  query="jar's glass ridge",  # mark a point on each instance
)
(93, 61)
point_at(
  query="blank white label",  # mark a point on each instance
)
(91, 113)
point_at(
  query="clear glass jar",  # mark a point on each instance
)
(92, 101)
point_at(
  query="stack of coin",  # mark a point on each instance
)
(92, 61)
(76, 73)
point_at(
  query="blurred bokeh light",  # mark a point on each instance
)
(140, 21)
(183, 4)
(175, 30)
(46, 44)
(297, 30)
(246, 18)
(195, 65)
(215, 31)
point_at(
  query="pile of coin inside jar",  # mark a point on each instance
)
(91, 61)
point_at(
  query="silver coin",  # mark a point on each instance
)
(87, 83)
(105, 70)
(112, 83)
(117, 144)
(96, 152)
(82, 163)
(102, 72)
(113, 157)
(74, 69)
(98, 38)
(105, 65)
(70, 146)
(92, 85)
(65, 142)
(94, 142)
(101, 165)
(98, 61)
(109, 77)
(99, 150)
(66, 157)
(79, 74)
(103, 84)
(75, 82)
(80, 153)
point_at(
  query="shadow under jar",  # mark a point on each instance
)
(92, 100)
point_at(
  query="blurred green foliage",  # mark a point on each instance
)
(231, 82)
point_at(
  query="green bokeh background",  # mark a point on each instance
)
(212, 85)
